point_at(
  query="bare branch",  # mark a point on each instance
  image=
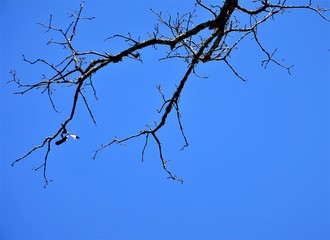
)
(203, 42)
(234, 71)
(270, 56)
(145, 146)
(87, 106)
(178, 115)
(199, 2)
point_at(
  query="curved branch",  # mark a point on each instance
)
(201, 43)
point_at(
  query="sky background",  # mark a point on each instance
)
(258, 162)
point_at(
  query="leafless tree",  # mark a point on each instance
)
(182, 37)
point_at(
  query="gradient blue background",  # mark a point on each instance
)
(258, 162)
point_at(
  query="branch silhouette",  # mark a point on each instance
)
(193, 42)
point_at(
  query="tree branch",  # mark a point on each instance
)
(211, 40)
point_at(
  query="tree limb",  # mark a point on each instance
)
(193, 43)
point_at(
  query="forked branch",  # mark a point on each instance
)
(185, 38)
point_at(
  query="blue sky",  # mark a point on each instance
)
(258, 162)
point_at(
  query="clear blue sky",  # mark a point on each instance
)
(258, 162)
